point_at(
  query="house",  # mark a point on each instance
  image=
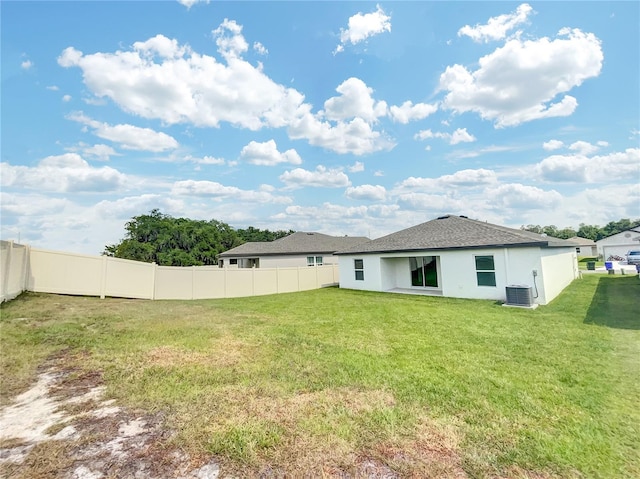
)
(297, 249)
(455, 256)
(618, 244)
(584, 246)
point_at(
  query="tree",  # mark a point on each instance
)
(255, 234)
(169, 241)
(592, 232)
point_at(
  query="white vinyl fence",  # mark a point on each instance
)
(43, 271)
(14, 264)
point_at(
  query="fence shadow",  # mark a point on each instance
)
(616, 303)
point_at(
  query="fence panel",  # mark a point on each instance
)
(128, 279)
(265, 281)
(14, 259)
(174, 282)
(65, 273)
(69, 273)
(326, 276)
(208, 282)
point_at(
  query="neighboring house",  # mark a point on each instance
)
(297, 249)
(619, 243)
(458, 257)
(584, 246)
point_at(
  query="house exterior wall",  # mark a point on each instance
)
(559, 268)
(284, 261)
(555, 267)
(618, 244)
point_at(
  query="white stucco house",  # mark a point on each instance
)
(584, 246)
(295, 250)
(619, 243)
(455, 256)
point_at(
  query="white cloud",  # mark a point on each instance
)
(26, 64)
(321, 177)
(100, 152)
(128, 136)
(357, 167)
(552, 145)
(231, 43)
(219, 192)
(205, 160)
(161, 79)
(125, 208)
(519, 81)
(461, 135)
(408, 111)
(354, 101)
(366, 192)
(518, 196)
(66, 98)
(53, 88)
(62, 173)
(191, 3)
(436, 204)
(362, 26)
(267, 154)
(579, 168)
(497, 27)
(460, 179)
(356, 137)
(584, 147)
(22, 205)
(260, 48)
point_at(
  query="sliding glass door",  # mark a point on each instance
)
(424, 271)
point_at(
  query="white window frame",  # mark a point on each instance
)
(358, 269)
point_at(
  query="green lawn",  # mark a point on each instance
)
(319, 380)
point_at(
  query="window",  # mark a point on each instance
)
(358, 265)
(485, 271)
(233, 261)
(424, 271)
(314, 260)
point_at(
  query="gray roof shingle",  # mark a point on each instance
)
(296, 244)
(454, 232)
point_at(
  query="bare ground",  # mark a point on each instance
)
(63, 428)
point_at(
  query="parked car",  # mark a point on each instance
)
(633, 257)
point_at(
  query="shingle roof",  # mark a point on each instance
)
(579, 241)
(454, 232)
(296, 243)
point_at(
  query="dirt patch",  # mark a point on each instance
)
(62, 428)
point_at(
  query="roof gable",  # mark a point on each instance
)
(454, 232)
(296, 243)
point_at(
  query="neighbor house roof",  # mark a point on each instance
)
(296, 244)
(454, 232)
(579, 241)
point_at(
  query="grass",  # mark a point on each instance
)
(582, 262)
(320, 381)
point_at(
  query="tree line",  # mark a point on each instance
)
(592, 232)
(168, 241)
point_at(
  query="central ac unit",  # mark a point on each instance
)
(519, 295)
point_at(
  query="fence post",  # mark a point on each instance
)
(27, 267)
(153, 280)
(103, 279)
(193, 280)
(6, 271)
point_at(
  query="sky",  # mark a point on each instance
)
(345, 118)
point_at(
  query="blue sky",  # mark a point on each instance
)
(346, 118)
